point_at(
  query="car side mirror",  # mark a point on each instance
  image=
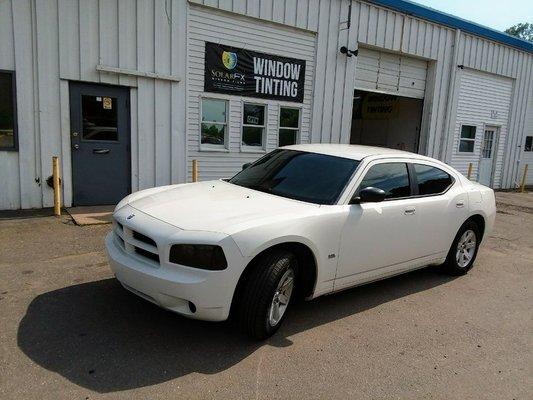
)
(369, 195)
(244, 166)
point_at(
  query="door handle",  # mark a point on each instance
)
(460, 204)
(100, 151)
(409, 211)
(76, 146)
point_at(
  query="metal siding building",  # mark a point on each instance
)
(458, 73)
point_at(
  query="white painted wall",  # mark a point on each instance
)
(241, 32)
(49, 42)
(483, 55)
(527, 156)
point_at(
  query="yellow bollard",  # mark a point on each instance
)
(195, 170)
(57, 186)
(523, 184)
(469, 174)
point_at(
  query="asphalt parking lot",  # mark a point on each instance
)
(69, 331)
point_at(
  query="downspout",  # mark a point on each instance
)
(451, 95)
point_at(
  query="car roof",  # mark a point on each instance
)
(356, 152)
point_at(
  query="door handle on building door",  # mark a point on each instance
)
(100, 151)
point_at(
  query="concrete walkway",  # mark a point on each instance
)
(91, 215)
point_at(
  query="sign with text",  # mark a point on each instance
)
(249, 73)
(380, 106)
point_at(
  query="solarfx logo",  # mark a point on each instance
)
(229, 59)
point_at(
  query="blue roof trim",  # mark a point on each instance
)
(442, 18)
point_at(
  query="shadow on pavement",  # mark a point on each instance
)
(101, 337)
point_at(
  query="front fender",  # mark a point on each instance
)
(320, 233)
(284, 239)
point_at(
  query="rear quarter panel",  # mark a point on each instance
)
(482, 201)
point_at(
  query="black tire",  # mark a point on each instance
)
(451, 266)
(258, 292)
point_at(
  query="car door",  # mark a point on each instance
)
(441, 207)
(379, 237)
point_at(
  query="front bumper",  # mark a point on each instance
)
(172, 286)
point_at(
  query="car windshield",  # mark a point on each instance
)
(311, 177)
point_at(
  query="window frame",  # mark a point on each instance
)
(525, 142)
(362, 170)
(82, 132)
(15, 146)
(254, 149)
(210, 146)
(414, 180)
(298, 129)
(473, 140)
(385, 161)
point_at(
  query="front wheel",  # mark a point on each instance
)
(267, 294)
(464, 249)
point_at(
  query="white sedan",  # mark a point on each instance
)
(304, 220)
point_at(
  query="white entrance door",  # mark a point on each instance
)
(488, 153)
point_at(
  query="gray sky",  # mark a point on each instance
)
(496, 14)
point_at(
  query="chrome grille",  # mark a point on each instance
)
(137, 243)
(143, 238)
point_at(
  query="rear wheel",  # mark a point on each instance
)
(267, 294)
(464, 249)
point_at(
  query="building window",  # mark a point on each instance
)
(8, 117)
(468, 138)
(289, 126)
(214, 122)
(253, 125)
(529, 143)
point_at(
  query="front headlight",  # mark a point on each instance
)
(204, 256)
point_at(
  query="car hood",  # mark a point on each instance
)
(218, 206)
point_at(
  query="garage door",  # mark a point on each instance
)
(378, 71)
(481, 125)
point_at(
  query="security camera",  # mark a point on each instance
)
(348, 52)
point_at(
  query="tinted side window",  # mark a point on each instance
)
(390, 177)
(431, 180)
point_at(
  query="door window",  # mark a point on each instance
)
(99, 116)
(488, 141)
(431, 180)
(393, 178)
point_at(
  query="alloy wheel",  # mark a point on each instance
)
(466, 247)
(281, 297)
